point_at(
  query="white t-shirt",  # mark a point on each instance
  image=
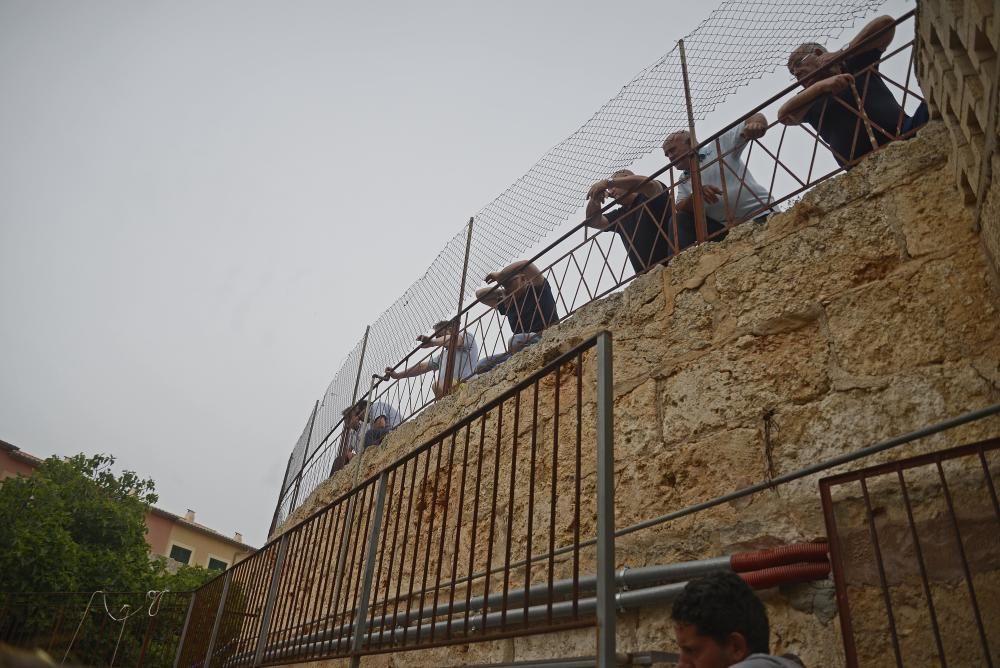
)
(746, 199)
(466, 358)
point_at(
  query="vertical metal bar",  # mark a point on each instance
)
(272, 594)
(444, 527)
(456, 326)
(578, 362)
(305, 453)
(430, 533)
(924, 580)
(218, 618)
(965, 566)
(361, 619)
(510, 508)
(391, 486)
(554, 492)
(882, 578)
(361, 364)
(531, 500)
(458, 530)
(184, 629)
(700, 226)
(281, 497)
(605, 504)
(493, 513)
(338, 574)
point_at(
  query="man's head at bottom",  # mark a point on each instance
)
(719, 621)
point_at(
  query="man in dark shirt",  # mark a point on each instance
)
(829, 101)
(642, 221)
(524, 296)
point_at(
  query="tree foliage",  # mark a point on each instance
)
(77, 526)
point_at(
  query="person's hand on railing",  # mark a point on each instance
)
(838, 83)
(598, 191)
(755, 127)
(427, 341)
(390, 373)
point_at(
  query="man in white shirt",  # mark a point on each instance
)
(730, 193)
(466, 357)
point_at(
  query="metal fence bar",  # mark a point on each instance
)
(218, 618)
(184, 629)
(272, 594)
(361, 618)
(605, 504)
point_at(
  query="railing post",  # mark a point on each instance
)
(305, 458)
(184, 629)
(361, 364)
(207, 663)
(700, 225)
(361, 620)
(455, 327)
(605, 505)
(272, 595)
(281, 496)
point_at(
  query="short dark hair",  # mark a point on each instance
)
(720, 604)
(441, 324)
(360, 406)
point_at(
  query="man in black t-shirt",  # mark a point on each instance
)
(642, 221)
(525, 297)
(829, 102)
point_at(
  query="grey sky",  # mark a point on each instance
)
(203, 204)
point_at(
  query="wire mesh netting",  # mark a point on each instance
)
(739, 42)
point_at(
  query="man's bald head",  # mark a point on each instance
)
(802, 60)
(677, 145)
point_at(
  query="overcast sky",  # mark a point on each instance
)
(203, 203)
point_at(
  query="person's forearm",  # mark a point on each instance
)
(877, 34)
(415, 370)
(510, 270)
(686, 204)
(627, 182)
(593, 213)
(793, 111)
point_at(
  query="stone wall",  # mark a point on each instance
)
(957, 46)
(867, 310)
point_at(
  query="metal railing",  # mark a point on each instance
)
(99, 629)
(919, 577)
(440, 546)
(585, 264)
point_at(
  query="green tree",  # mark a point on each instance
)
(77, 526)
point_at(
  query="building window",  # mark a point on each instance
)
(217, 564)
(181, 554)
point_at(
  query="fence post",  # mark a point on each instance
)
(700, 225)
(207, 663)
(272, 595)
(605, 505)
(281, 496)
(184, 629)
(361, 620)
(455, 328)
(305, 458)
(341, 449)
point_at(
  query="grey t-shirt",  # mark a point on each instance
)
(466, 358)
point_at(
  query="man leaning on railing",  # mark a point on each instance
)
(729, 190)
(642, 221)
(523, 295)
(466, 357)
(835, 82)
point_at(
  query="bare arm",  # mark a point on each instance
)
(415, 370)
(794, 110)
(594, 217)
(872, 35)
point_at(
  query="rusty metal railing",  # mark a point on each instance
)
(915, 547)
